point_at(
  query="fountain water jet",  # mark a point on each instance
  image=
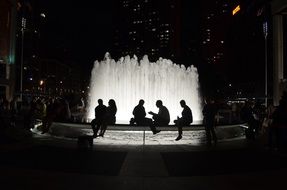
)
(129, 80)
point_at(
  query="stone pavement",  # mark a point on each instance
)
(124, 160)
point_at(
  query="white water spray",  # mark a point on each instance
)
(129, 80)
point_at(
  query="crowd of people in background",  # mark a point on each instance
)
(33, 111)
(270, 121)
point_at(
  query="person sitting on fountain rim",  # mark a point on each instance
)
(162, 118)
(186, 119)
(110, 116)
(140, 119)
(100, 112)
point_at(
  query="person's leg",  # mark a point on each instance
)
(179, 128)
(95, 130)
(153, 129)
(208, 135)
(152, 126)
(103, 128)
(214, 137)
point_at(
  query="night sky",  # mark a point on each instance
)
(81, 32)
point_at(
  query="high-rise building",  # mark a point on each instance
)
(214, 24)
(40, 68)
(279, 37)
(149, 27)
(215, 19)
(7, 47)
(248, 47)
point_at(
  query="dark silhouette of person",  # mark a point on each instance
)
(162, 118)
(110, 116)
(186, 119)
(100, 112)
(209, 111)
(140, 119)
(247, 114)
(139, 114)
(279, 124)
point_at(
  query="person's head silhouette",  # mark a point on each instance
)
(112, 103)
(141, 102)
(182, 103)
(100, 101)
(158, 103)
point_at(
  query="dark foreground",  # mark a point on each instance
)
(45, 162)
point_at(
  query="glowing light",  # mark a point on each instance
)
(43, 15)
(41, 82)
(236, 10)
(129, 80)
(265, 29)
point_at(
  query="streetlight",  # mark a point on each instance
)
(23, 27)
(42, 84)
(265, 31)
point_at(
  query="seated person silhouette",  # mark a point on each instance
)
(100, 112)
(140, 119)
(162, 118)
(110, 116)
(186, 119)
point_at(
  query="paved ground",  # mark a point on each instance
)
(126, 160)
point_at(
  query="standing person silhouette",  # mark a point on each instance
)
(162, 118)
(209, 111)
(110, 116)
(186, 119)
(140, 119)
(100, 112)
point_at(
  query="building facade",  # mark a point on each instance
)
(147, 27)
(7, 48)
(279, 31)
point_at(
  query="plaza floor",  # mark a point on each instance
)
(139, 160)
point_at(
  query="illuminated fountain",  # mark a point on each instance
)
(129, 80)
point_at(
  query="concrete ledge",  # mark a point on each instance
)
(126, 127)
